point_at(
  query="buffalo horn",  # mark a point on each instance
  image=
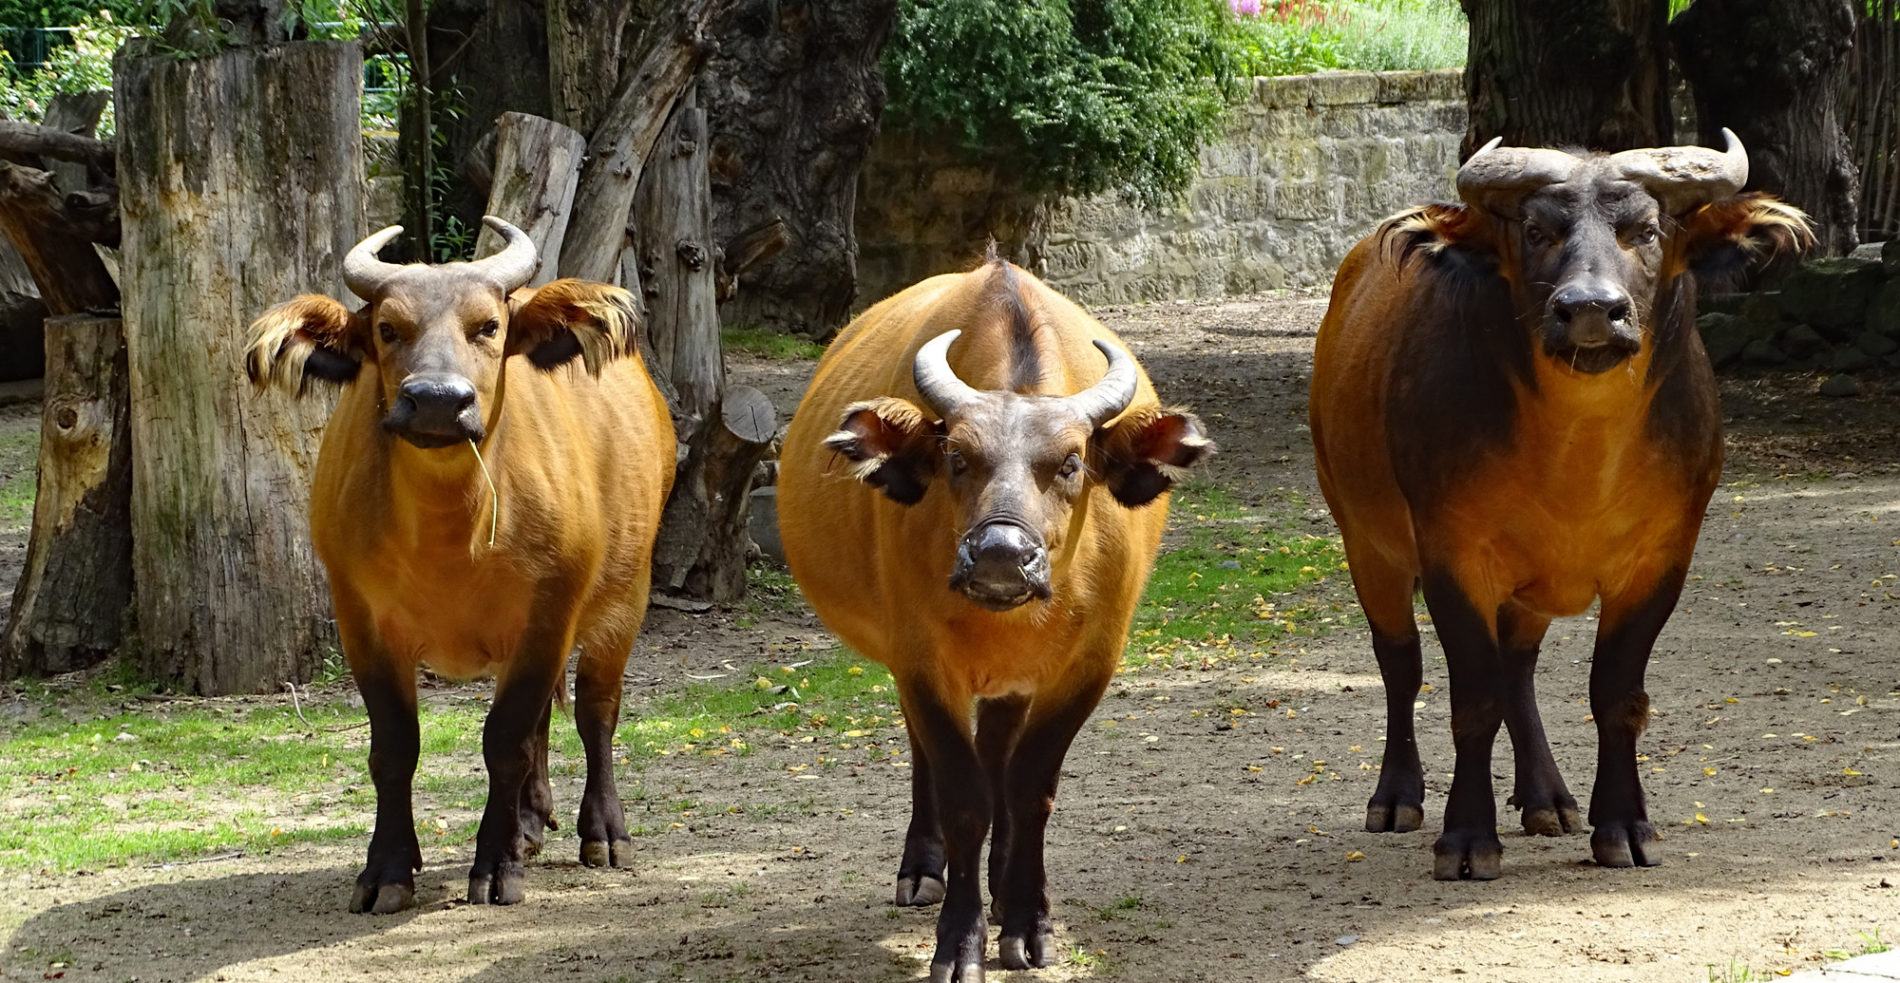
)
(936, 382)
(1685, 178)
(363, 273)
(514, 266)
(1496, 179)
(1099, 403)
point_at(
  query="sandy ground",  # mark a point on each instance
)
(1180, 851)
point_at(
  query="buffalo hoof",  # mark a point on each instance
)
(1552, 815)
(600, 853)
(1627, 843)
(918, 890)
(1393, 817)
(960, 964)
(504, 886)
(381, 899)
(1476, 856)
(1030, 951)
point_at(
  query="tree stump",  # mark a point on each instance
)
(537, 163)
(703, 541)
(673, 218)
(70, 603)
(242, 178)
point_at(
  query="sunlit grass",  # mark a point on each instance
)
(766, 343)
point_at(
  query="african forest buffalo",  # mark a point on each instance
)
(485, 499)
(970, 495)
(1511, 410)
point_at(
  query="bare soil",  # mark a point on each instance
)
(1180, 850)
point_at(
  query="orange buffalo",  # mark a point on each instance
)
(485, 499)
(972, 496)
(1512, 411)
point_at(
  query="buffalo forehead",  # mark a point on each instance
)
(1038, 428)
(1591, 196)
(427, 294)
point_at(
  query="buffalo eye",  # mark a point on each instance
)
(1535, 234)
(1070, 466)
(955, 459)
(388, 331)
(1644, 236)
(490, 329)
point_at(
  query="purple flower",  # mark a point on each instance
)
(1245, 8)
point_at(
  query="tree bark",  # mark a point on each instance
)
(230, 597)
(54, 234)
(22, 319)
(584, 39)
(1579, 73)
(1772, 71)
(659, 67)
(793, 97)
(77, 114)
(72, 598)
(703, 541)
(537, 163)
(674, 224)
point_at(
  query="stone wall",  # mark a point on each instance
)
(1310, 165)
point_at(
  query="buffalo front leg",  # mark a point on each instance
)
(998, 722)
(537, 795)
(961, 792)
(920, 871)
(1469, 846)
(1547, 805)
(1035, 768)
(1622, 835)
(522, 694)
(387, 883)
(597, 691)
(1385, 593)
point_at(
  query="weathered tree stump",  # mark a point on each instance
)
(71, 600)
(703, 539)
(537, 163)
(243, 186)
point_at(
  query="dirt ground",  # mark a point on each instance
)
(1181, 851)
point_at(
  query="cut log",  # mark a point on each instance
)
(76, 113)
(583, 36)
(704, 544)
(537, 162)
(673, 219)
(71, 600)
(660, 65)
(230, 596)
(22, 318)
(746, 250)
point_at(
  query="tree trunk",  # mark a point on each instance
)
(230, 596)
(584, 39)
(1580, 73)
(674, 223)
(22, 319)
(71, 600)
(537, 162)
(1772, 71)
(55, 242)
(703, 541)
(793, 97)
(659, 67)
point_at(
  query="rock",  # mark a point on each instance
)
(1866, 250)
(762, 523)
(1840, 385)
(1875, 343)
(1890, 256)
(1831, 294)
(1850, 359)
(1762, 352)
(1883, 313)
(1722, 303)
(1762, 312)
(1724, 336)
(1802, 342)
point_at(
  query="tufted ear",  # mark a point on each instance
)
(891, 444)
(1140, 457)
(305, 338)
(1727, 242)
(567, 318)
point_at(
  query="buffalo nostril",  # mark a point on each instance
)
(1620, 312)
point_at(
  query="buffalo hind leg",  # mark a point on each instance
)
(597, 692)
(998, 722)
(1385, 593)
(1035, 768)
(920, 872)
(962, 796)
(387, 883)
(1622, 835)
(537, 795)
(1547, 805)
(522, 694)
(1469, 846)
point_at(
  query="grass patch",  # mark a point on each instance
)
(1233, 580)
(19, 472)
(766, 343)
(1292, 37)
(834, 694)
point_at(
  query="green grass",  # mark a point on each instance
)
(1870, 944)
(1233, 581)
(19, 474)
(1299, 36)
(766, 343)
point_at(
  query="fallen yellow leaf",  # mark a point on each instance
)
(1355, 855)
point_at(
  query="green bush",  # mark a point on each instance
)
(1293, 37)
(1075, 96)
(85, 65)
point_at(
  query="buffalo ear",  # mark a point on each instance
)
(310, 337)
(568, 318)
(1729, 241)
(1140, 457)
(892, 446)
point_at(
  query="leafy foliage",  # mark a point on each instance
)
(1292, 37)
(1076, 96)
(84, 65)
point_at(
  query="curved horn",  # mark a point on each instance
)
(515, 265)
(363, 273)
(1101, 402)
(1496, 179)
(936, 382)
(1686, 178)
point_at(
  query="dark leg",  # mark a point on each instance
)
(387, 883)
(537, 796)
(1548, 807)
(1469, 846)
(1623, 836)
(963, 814)
(998, 721)
(1398, 803)
(597, 691)
(920, 872)
(508, 741)
(1035, 767)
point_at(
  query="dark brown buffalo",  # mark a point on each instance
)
(1511, 410)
